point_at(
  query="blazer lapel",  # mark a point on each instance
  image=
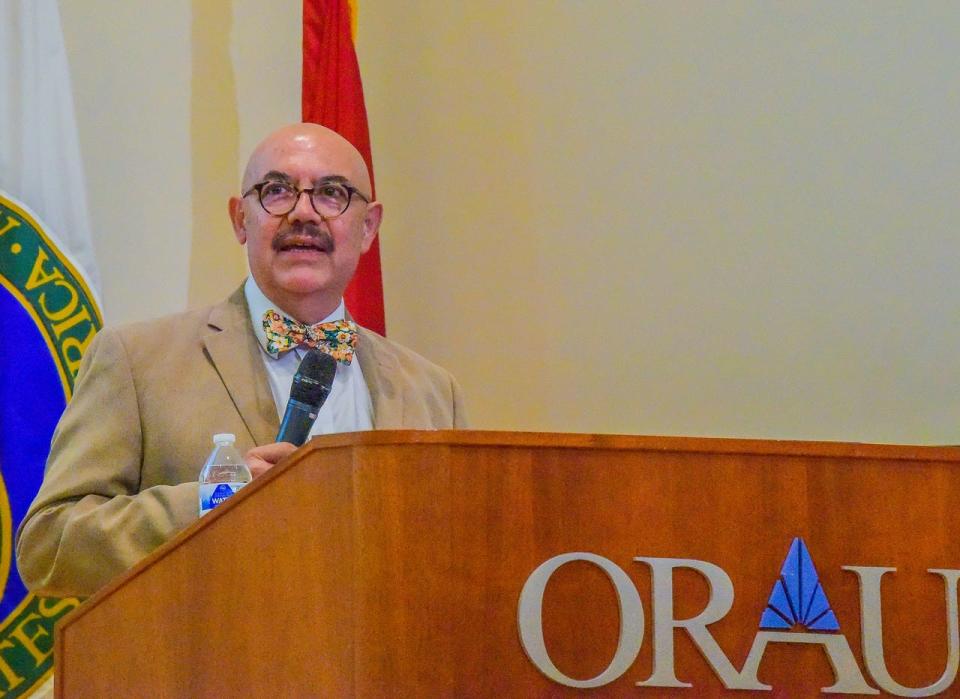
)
(379, 366)
(235, 353)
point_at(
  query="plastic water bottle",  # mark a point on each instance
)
(224, 473)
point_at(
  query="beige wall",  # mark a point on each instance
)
(730, 219)
(170, 98)
(130, 67)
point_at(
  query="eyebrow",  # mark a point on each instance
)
(277, 175)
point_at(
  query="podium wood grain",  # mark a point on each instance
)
(390, 564)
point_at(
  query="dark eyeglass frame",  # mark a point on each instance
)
(351, 191)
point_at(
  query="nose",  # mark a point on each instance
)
(303, 210)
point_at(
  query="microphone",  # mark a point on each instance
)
(311, 386)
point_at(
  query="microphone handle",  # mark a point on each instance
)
(297, 421)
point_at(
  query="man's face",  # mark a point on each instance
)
(301, 261)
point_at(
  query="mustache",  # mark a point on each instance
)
(300, 230)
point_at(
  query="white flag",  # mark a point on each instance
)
(39, 150)
(48, 289)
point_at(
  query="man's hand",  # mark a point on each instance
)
(262, 459)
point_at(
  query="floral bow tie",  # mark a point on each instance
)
(338, 339)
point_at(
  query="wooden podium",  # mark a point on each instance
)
(392, 564)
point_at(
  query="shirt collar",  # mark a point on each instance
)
(259, 304)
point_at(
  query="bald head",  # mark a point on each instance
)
(303, 260)
(310, 140)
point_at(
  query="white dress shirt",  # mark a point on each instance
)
(348, 408)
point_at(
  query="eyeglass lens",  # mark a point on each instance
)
(279, 198)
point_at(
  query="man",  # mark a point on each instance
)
(122, 474)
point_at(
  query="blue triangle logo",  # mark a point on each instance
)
(220, 493)
(797, 597)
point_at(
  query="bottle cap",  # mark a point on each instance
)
(223, 439)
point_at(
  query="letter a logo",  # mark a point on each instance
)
(797, 598)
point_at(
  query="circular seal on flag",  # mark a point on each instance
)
(49, 318)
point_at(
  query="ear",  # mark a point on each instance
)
(235, 206)
(371, 225)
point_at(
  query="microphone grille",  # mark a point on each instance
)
(314, 378)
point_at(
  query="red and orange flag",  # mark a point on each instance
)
(332, 95)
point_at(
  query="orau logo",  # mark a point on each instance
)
(797, 599)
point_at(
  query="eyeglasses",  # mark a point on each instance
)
(329, 199)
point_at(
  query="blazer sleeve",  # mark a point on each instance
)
(90, 521)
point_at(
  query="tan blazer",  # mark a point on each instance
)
(122, 473)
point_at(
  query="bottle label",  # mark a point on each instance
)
(212, 494)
